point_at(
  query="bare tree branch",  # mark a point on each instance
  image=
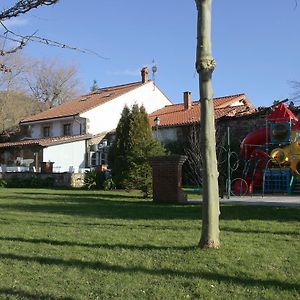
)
(295, 96)
(20, 40)
(23, 6)
(194, 153)
(51, 83)
(23, 39)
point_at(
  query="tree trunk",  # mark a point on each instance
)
(205, 65)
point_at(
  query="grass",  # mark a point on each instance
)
(69, 244)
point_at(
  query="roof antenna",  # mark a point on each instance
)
(154, 70)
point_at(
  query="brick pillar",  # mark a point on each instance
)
(167, 178)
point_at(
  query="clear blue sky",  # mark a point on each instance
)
(256, 43)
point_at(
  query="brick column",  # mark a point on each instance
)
(167, 178)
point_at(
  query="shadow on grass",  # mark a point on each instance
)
(8, 293)
(75, 199)
(172, 227)
(251, 282)
(272, 213)
(90, 193)
(135, 210)
(247, 231)
(98, 245)
(108, 209)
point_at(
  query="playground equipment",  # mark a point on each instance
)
(272, 155)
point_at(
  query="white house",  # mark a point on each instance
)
(66, 135)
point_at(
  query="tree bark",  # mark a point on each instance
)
(205, 65)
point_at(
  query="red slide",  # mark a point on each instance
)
(251, 146)
(250, 149)
(253, 140)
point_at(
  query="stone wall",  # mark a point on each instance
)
(60, 179)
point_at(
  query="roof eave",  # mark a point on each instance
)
(48, 119)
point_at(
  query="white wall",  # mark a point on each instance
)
(56, 127)
(106, 116)
(66, 156)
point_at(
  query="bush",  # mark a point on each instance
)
(33, 182)
(3, 183)
(109, 184)
(94, 179)
(48, 182)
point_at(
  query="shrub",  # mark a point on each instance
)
(94, 179)
(48, 182)
(3, 183)
(109, 184)
(33, 182)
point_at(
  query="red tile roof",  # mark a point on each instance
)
(47, 141)
(84, 103)
(174, 115)
(225, 101)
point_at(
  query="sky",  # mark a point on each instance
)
(255, 43)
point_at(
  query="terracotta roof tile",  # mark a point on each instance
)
(174, 115)
(84, 103)
(222, 102)
(47, 141)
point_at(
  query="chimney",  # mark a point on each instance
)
(187, 100)
(145, 75)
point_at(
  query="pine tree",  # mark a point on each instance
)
(133, 146)
(120, 146)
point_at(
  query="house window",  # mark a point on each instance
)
(46, 131)
(67, 129)
(93, 159)
(103, 158)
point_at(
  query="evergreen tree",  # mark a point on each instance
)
(121, 145)
(133, 146)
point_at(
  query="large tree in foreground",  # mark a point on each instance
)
(131, 150)
(205, 65)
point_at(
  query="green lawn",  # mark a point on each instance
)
(71, 244)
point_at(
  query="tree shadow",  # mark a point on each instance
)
(247, 231)
(272, 213)
(102, 225)
(114, 206)
(97, 265)
(97, 194)
(99, 245)
(107, 209)
(76, 199)
(8, 293)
